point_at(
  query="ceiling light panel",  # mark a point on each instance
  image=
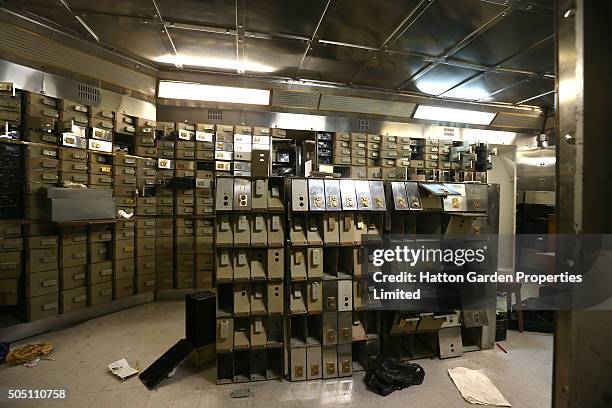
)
(438, 114)
(213, 93)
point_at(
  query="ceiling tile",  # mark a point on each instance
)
(444, 24)
(282, 56)
(525, 90)
(218, 13)
(295, 17)
(541, 59)
(333, 63)
(510, 35)
(440, 78)
(388, 71)
(366, 22)
(483, 86)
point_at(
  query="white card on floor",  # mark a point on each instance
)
(122, 369)
(476, 388)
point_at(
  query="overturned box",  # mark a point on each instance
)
(79, 204)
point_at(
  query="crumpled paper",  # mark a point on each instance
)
(122, 369)
(476, 388)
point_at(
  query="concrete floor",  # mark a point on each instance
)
(143, 333)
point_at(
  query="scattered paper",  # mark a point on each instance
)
(122, 369)
(476, 388)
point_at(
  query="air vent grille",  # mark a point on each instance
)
(364, 125)
(215, 114)
(362, 105)
(292, 99)
(89, 93)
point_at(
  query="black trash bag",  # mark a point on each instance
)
(385, 375)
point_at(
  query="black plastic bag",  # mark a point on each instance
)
(385, 375)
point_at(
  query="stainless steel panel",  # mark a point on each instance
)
(225, 194)
(364, 198)
(225, 334)
(315, 297)
(400, 201)
(345, 360)
(476, 197)
(274, 298)
(332, 195)
(242, 304)
(276, 262)
(259, 191)
(314, 363)
(299, 194)
(298, 264)
(454, 203)
(330, 362)
(330, 296)
(377, 192)
(242, 264)
(316, 195)
(413, 196)
(345, 295)
(331, 229)
(347, 193)
(298, 364)
(333, 63)
(389, 71)
(315, 263)
(242, 194)
(330, 328)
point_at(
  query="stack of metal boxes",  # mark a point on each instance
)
(11, 181)
(41, 273)
(10, 111)
(73, 263)
(342, 149)
(100, 265)
(74, 122)
(40, 119)
(124, 182)
(404, 153)
(224, 149)
(249, 279)
(243, 147)
(10, 262)
(124, 251)
(102, 126)
(328, 220)
(325, 147)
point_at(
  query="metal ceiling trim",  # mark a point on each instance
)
(36, 25)
(81, 22)
(240, 43)
(506, 88)
(43, 51)
(535, 97)
(329, 8)
(171, 46)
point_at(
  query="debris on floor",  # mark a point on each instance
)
(241, 393)
(385, 375)
(28, 353)
(476, 388)
(122, 369)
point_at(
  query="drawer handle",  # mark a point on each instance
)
(48, 283)
(78, 276)
(79, 255)
(106, 292)
(50, 306)
(8, 265)
(78, 299)
(105, 272)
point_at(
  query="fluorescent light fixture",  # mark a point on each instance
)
(454, 115)
(213, 93)
(219, 63)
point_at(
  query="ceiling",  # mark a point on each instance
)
(478, 50)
